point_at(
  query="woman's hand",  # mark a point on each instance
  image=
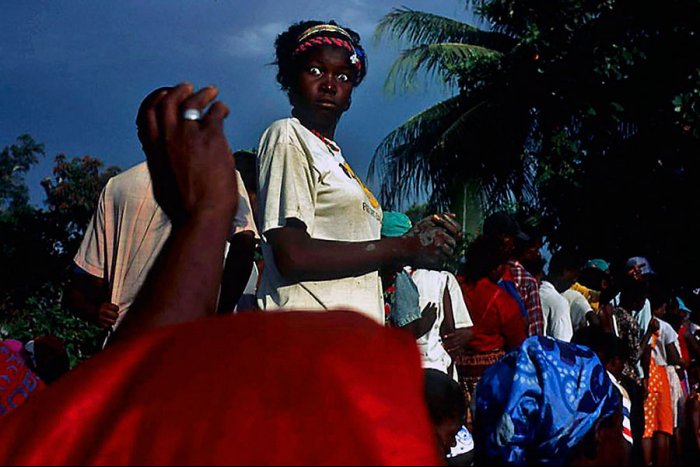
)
(455, 342)
(433, 241)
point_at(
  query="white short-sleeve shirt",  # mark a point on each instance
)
(556, 311)
(301, 178)
(128, 231)
(431, 287)
(667, 335)
(579, 308)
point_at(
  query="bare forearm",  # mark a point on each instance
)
(186, 277)
(311, 259)
(84, 296)
(239, 264)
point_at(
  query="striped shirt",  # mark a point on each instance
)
(626, 409)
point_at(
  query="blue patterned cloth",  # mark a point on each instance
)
(540, 401)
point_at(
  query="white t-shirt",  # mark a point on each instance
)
(431, 287)
(301, 178)
(128, 232)
(579, 308)
(667, 335)
(556, 312)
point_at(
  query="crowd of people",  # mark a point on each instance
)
(496, 363)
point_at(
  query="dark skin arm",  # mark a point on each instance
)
(606, 318)
(674, 357)
(302, 258)
(422, 325)
(239, 264)
(184, 283)
(593, 319)
(453, 339)
(87, 297)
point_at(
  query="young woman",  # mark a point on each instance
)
(320, 224)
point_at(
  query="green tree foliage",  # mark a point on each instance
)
(15, 161)
(38, 244)
(583, 112)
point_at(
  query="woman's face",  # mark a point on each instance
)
(324, 86)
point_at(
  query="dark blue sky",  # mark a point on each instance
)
(74, 72)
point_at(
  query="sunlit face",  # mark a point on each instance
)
(324, 85)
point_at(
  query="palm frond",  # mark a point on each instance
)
(416, 28)
(401, 161)
(465, 139)
(436, 60)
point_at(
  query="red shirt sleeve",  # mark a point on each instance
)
(513, 325)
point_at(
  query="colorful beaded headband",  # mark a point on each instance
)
(305, 43)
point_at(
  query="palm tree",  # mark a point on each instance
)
(466, 151)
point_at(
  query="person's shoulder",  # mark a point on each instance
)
(136, 178)
(574, 295)
(667, 329)
(285, 130)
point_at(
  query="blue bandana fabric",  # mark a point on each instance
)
(540, 401)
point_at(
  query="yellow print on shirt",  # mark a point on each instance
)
(372, 200)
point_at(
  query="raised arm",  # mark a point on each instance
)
(193, 157)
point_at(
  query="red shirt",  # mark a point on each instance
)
(287, 388)
(498, 322)
(685, 354)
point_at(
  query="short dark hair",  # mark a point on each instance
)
(443, 396)
(483, 256)
(632, 291)
(660, 292)
(288, 63)
(563, 260)
(605, 344)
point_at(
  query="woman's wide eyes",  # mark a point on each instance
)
(316, 72)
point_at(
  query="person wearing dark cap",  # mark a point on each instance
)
(638, 269)
(503, 226)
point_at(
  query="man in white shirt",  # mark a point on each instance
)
(122, 243)
(563, 272)
(130, 227)
(555, 308)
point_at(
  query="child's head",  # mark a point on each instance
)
(446, 407)
(50, 359)
(610, 349)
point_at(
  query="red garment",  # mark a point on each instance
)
(255, 388)
(685, 353)
(498, 322)
(17, 382)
